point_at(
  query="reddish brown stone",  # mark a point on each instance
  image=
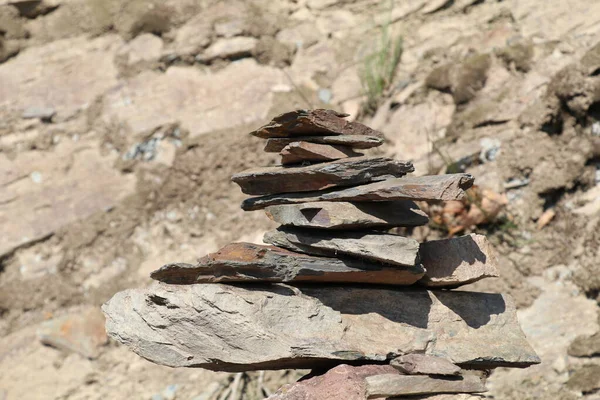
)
(317, 122)
(298, 152)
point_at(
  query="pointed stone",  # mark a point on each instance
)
(432, 187)
(458, 261)
(348, 172)
(276, 326)
(275, 145)
(298, 152)
(388, 385)
(343, 215)
(247, 262)
(423, 364)
(317, 122)
(381, 247)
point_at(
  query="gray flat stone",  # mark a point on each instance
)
(347, 172)
(423, 364)
(382, 247)
(247, 262)
(432, 187)
(298, 152)
(387, 385)
(458, 261)
(344, 215)
(276, 326)
(275, 145)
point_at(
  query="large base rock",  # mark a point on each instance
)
(240, 328)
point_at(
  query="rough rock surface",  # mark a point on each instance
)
(277, 326)
(348, 172)
(343, 382)
(423, 364)
(312, 122)
(275, 145)
(458, 261)
(297, 152)
(344, 215)
(382, 247)
(434, 187)
(387, 385)
(246, 262)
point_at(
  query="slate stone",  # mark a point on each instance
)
(382, 247)
(347, 172)
(345, 215)
(317, 122)
(387, 385)
(458, 261)
(299, 152)
(275, 145)
(276, 326)
(432, 187)
(247, 262)
(423, 364)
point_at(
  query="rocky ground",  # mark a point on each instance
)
(122, 122)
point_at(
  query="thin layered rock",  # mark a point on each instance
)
(458, 261)
(312, 123)
(434, 187)
(387, 385)
(347, 172)
(382, 247)
(298, 152)
(345, 215)
(423, 364)
(275, 145)
(247, 262)
(274, 326)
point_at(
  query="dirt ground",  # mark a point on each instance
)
(121, 123)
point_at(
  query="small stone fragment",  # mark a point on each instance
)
(423, 364)
(275, 145)
(457, 261)
(81, 333)
(382, 247)
(297, 152)
(387, 385)
(347, 172)
(317, 122)
(586, 379)
(246, 262)
(585, 346)
(433, 187)
(343, 382)
(43, 113)
(228, 48)
(343, 215)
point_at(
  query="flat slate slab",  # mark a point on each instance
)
(299, 152)
(423, 364)
(276, 326)
(381, 247)
(318, 122)
(458, 261)
(431, 187)
(345, 215)
(347, 172)
(388, 385)
(247, 262)
(275, 145)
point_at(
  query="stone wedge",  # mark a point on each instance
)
(298, 152)
(247, 262)
(423, 364)
(431, 187)
(276, 326)
(344, 215)
(275, 145)
(317, 122)
(347, 172)
(381, 247)
(458, 261)
(388, 385)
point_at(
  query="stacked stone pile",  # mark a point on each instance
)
(332, 286)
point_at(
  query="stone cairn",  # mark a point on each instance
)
(368, 311)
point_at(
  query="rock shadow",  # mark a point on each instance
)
(476, 309)
(445, 258)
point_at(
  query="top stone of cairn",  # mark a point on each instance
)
(319, 122)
